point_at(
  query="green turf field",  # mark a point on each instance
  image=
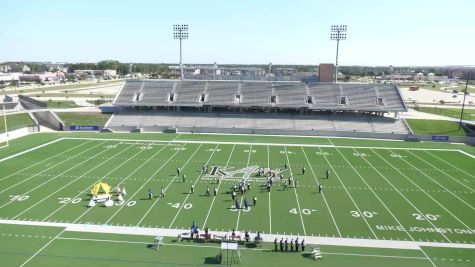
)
(83, 118)
(410, 200)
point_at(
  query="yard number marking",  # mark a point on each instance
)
(66, 200)
(18, 197)
(304, 211)
(367, 214)
(186, 206)
(423, 217)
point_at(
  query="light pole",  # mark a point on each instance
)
(180, 32)
(338, 32)
(463, 103)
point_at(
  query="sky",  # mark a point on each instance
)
(380, 32)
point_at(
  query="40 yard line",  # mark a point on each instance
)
(295, 191)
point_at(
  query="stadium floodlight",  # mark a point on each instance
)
(338, 32)
(180, 31)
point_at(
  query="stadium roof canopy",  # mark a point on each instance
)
(261, 94)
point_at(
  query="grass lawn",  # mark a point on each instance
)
(468, 114)
(387, 193)
(83, 118)
(66, 87)
(61, 104)
(16, 121)
(434, 127)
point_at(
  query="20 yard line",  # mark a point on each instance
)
(323, 195)
(214, 198)
(188, 195)
(348, 193)
(295, 191)
(169, 184)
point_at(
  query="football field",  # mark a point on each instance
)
(415, 204)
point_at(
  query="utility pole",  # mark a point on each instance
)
(463, 102)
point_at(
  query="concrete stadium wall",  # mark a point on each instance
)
(49, 119)
(31, 103)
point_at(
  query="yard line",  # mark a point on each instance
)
(323, 195)
(136, 169)
(425, 192)
(150, 178)
(348, 193)
(31, 149)
(214, 198)
(441, 186)
(450, 164)
(196, 181)
(169, 184)
(295, 191)
(39, 162)
(240, 201)
(72, 181)
(408, 201)
(42, 248)
(103, 176)
(423, 252)
(270, 215)
(27, 179)
(469, 188)
(374, 193)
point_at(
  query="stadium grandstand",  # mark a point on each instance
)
(256, 106)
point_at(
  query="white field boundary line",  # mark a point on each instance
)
(374, 193)
(425, 192)
(428, 258)
(39, 162)
(403, 196)
(242, 196)
(168, 185)
(72, 181)
(295, 192)
(148, 180)
(42, 248)
(194, 184)
(323, 194)
(348, 193)
(103, 177)
(441, 186)
(216, 247)
(453, 166)
(268, 144)
(122, 181)
(54, 177)
(144, 231)
(31, 149)
(448, 175)
(270, 212)
(219, 185)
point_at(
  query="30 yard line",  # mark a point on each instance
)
(323, 195)
(348, 193)
(214, 198)
(72, 181)
(441, 186)
(169, 184)
(295, 191)
(196, 181)
(425, 192)
(107, 174)
(403, 196)
(125, 179)
(150, 178)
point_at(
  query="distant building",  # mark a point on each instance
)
(25, 68)
(5, 68)
(327, 72)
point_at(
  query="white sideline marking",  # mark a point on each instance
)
(348, 193)
(133, 230)
(295, 192)
(194, 184)
(31, 149)
(323, 195)
(214, 198)
(397, 190)
(42, 248)
(169, 184)
(39, 162)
